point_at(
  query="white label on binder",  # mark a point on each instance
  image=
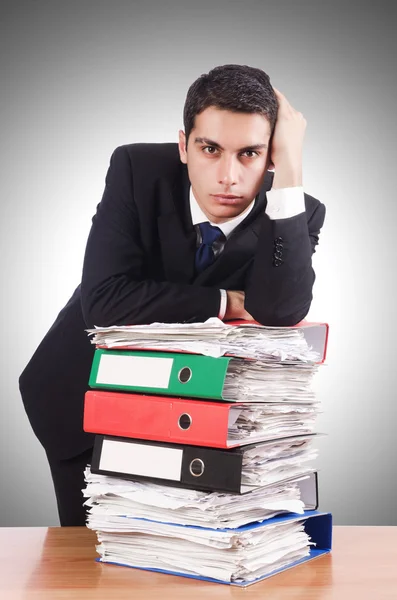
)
(141, 459)
(138, 371)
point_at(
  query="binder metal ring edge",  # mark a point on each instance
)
(184, 369)
(190, 421)
(196, 460)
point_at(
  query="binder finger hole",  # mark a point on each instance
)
(185, 421)
(185, 375)
(196, 467)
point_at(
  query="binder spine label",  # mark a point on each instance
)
(140, 371)
(141, 459)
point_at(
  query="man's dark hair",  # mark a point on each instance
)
(237, 88)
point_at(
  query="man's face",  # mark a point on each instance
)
(227, 158)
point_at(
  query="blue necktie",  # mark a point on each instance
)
(205, 254)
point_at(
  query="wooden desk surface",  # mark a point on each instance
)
(52, 563)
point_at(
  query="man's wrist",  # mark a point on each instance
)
(222, 305)
(287, 173)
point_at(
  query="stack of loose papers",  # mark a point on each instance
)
(210, 535)
(114, 501)
(257, 381)
(273, 462)
(269, 421)
(212, 338)
(226, 537)
(239, 556)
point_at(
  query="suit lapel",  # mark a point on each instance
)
(175, 227)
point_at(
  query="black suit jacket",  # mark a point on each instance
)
(139, 268)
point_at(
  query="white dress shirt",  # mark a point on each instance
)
(281, 204)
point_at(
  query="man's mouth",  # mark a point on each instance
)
(227, 198)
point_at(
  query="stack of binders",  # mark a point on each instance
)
(202, 464)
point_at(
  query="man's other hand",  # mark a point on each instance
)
(235, 306)
(287, 144)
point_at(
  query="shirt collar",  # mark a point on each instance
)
(198, 216)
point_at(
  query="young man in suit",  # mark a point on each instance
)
(183, 232)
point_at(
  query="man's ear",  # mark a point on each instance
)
(182, 147)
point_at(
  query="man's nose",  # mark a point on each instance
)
(227, 174)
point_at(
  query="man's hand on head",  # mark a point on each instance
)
(235, 306)
(287, 144)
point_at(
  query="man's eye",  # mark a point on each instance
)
(209, 150)
(250, 153)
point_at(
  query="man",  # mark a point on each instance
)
(182, 233)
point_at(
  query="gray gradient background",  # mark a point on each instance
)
(79, 79)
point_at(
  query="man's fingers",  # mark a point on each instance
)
(282, 100)
(284, 105)
(280, 96)
(247, 317)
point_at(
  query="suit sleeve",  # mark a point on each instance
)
(114, 288)
(280, 282)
